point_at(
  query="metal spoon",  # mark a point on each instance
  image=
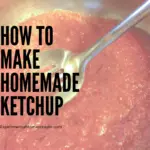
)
(70, 62)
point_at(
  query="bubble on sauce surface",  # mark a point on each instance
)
(111, 109)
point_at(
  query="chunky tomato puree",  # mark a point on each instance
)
(111, 111)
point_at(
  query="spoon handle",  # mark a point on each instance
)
(116, 32)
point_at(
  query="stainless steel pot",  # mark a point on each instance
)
(14, 11)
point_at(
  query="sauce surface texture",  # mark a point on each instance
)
(111, 112)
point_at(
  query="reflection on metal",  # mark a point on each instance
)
(92, 4)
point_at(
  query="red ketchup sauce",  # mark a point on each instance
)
(111, 111)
